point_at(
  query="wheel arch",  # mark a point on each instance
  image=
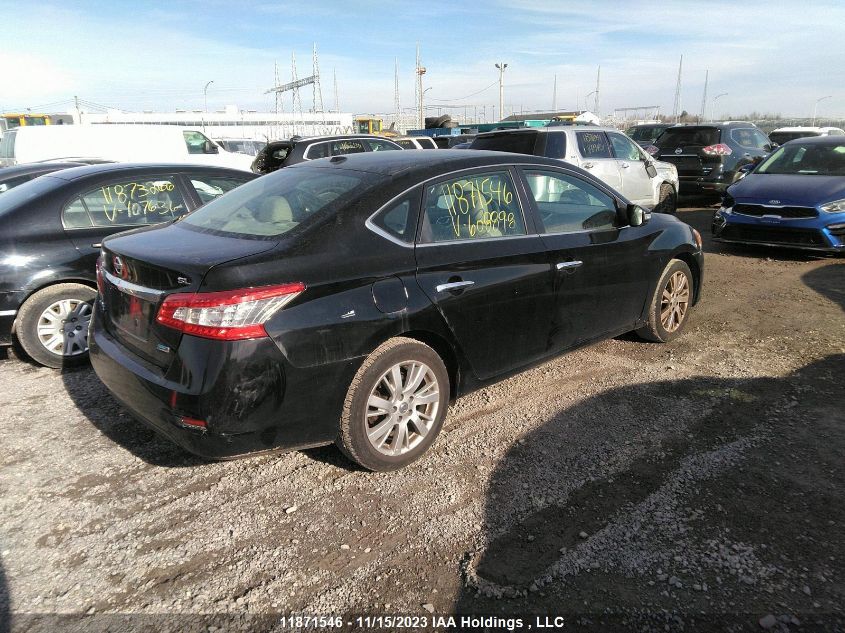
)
(695, 269)
(446, 350)
(48, 282)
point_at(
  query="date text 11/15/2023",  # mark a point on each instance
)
(424, 622)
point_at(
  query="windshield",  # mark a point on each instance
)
(273, 205)
(806, 158)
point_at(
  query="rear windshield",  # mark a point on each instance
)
(277, 203)
(784, 137)
(804, 158)
(645, 133)
(513, 142)
(688, 136)
(22, 194)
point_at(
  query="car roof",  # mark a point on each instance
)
(833, 139)
(35, 168)
(334, 137)
(86, 171)
(406, 163)
(546, 130)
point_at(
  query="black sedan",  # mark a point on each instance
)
(350, 299)
(52, 228)
(11, 177)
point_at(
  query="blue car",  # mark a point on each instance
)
(794, 198)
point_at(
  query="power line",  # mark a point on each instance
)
(467, 96)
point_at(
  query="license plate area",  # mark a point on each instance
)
(131, 315)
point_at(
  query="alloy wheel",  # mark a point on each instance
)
(63, 327)
(674, 302)
(402, 408)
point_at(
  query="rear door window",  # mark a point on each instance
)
(137, 202)
(593, 145)
(400, 218)
(317, 150)
(513, 142)
(472, 207)
(556, 145)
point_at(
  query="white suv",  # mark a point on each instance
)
(604, 152)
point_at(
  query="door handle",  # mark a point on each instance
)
(453, 285)
(587, 165)
(97, 245)
(572, 264)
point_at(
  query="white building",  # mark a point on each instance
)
(234, 123)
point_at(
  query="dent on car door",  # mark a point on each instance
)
(597, 158)
(636, 182)
(485, 269)
(120, 204)
(601, 267)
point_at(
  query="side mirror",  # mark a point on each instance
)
(210, 148)
(650, 169)
(636, 215)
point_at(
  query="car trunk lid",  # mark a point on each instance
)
(142, 268)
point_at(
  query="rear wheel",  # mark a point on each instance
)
(668, 311)
(52, 325)
(395, 406)
(667, 200)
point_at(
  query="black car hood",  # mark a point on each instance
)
(789, 189)
(178, 248)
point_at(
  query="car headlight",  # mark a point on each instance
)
(837, 206)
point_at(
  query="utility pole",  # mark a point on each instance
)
(554, 95)
(205, 100)
(816, 107)
(396, 105)
(676, 110)
(78, 113)
(420, 70)
(598, 83)
(501, 66)
(336, 101)
(704, 97)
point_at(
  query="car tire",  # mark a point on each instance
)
(667, 200)
(52, 325)
(383, 428)
(676, 283)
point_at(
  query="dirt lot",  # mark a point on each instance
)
(628, 485)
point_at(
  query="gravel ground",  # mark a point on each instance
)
(627, 485)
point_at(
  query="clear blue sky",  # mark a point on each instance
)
(768, 56)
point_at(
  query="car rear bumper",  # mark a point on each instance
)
(250, 399)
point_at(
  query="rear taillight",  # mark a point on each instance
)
(719, 149)
(101, 286)
(653, 150)
(230, 315)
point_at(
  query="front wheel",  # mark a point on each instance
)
(395, 406)
(668, 311)
(52, 325)
(667, 200)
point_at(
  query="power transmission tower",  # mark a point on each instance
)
(676, 109)
(420, 71)
(317, 91)
(704, 96)
(297, 100)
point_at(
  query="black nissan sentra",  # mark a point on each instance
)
(350, 299)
